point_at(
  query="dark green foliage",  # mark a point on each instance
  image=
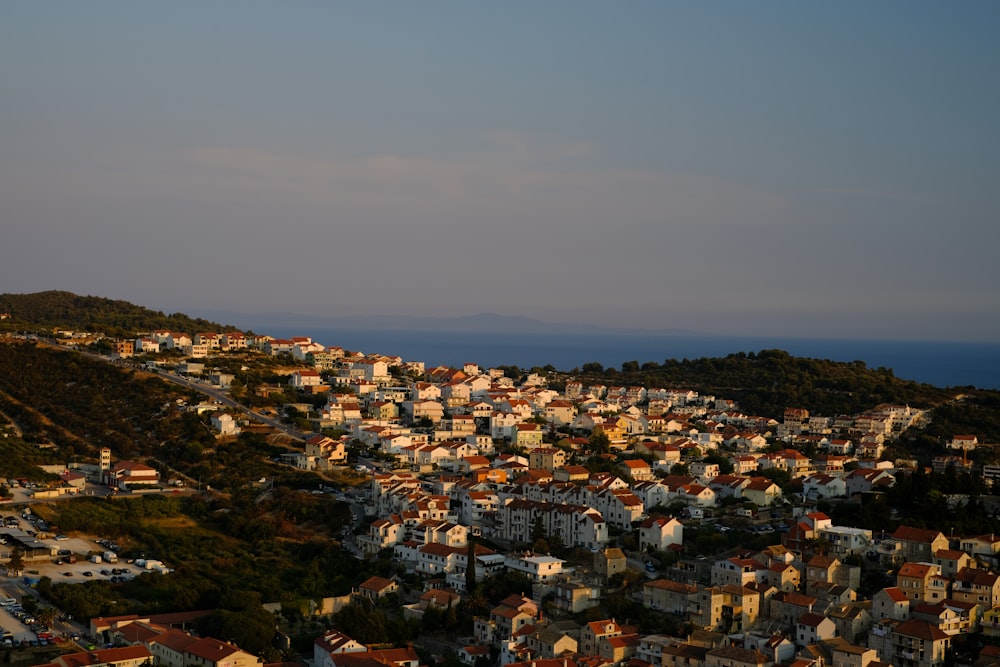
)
(81, 404)
(225, 553)
(55, 309)
(241, 620)
(21, 460)
(767, 382)
(976, 413)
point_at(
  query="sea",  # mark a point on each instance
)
(942, 364)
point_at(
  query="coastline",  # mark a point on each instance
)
(940, 363)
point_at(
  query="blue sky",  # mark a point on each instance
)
(772, 168)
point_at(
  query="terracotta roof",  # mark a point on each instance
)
(105, 656)
(920, 630)
(911, 534)
(376, 584)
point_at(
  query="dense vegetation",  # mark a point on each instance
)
(767, 382)
(81, 404)
(65, 310)
(225, 552)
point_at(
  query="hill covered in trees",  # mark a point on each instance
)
(65, 310)
(767, 382)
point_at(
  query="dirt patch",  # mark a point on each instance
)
(172, 522)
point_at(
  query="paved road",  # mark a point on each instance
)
(209, 390)
(225, 399)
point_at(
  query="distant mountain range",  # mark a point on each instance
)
(482, 322)
(116, 317)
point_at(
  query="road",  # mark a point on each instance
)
(212, 392)
(224, 398)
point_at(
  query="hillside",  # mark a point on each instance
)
(65, 310)
(767, 382)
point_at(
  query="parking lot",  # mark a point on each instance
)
(58, 566)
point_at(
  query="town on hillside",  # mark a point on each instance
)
(591, 493)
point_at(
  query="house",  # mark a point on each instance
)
(546, 458)
(811, 628)
(843, 653)
(224, 423)
(507, 618)
(914, 643)
(732, 656)
(738, 572)
(638, 469)
(852, 620)
(470, 655)
(325, 448)
(609, 562)
(592, 633)
(986, 547)
(694, 495)
(527, 435)
(922, 582)
(619, 507)
(537, 568)
(331, 643)
(919, 544)
(788, 607)
(382, 534)
(729, 486)
(374, 589)
(128, 475)
(822, 569)
(820, 486)
(571, 473)
(618, 649)
(392, 657)
(949, 616)
(418, 410)
(684, 655)
(977, 586)
(178, 649)
(990, 622)
(574, 597)
(125, 656)
(669, 596)
(560, 412)
(863, 480)
(660, 533)
(951, 561)
(890, 603)
(761, 491)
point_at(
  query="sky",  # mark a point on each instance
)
(768, 168)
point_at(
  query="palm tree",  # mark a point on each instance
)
(45, 615)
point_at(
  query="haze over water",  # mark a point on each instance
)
(943, 364)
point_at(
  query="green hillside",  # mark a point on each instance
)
(65, 310)
(767, 382)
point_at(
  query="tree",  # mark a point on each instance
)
(470, 566)
(725, 465)
(599, 442)
(16, 563)
(45, 615)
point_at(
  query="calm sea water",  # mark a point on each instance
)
(941, 364)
